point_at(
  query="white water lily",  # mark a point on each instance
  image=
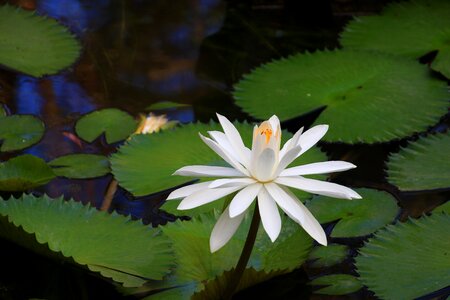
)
(152, 123)
(261, 172)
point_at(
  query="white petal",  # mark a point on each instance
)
(188, 190)
(205, 196)
(318, 187)
(207, 171)
(287, 159)
(224, 230)
(220, 151)
(319, 168)
(274, 123)
(265, 164)
(235, 139)
(242, 181)
(295, 209)
(222, 140)
(291, 143)
(311, 137)
(270, 217)
(243, 199)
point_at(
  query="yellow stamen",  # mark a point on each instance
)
(266, 130)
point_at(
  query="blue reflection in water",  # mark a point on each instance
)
(78, 15)
(70, 96)
(28, 98)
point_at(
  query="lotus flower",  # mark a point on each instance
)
(261, 172)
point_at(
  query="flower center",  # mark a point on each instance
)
(268, 133)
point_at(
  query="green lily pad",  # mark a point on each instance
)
(33, 44)
(357, 217)
(328, 256)
(20, 131)
(407, 260)
(141, 166)
(116, 124)
(397, 93)
(337, 284)
(443, 208)
(24, 172)
(422, 165)
(196, 264)
(80, 166)
(164, 105)
(415, 29)
(118, 248)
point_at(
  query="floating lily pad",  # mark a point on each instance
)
(357, 217)
(327, 256)
(196, 264)
(337, 284)
(367, 97)
(20, 131)
(422, 165)
(33, 44)
(80, 166)
(118, 248)
(142, 165)
(415, 28)
(24, 172)
(164, 105)
(443, 208)
(116, 124)
(407, 260)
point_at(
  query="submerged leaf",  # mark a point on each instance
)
(415, 28)
(356, 217)
(33, 44)
(24, 172)
(80, 165)
(367, 97)
(422, 165)
(118, 248)
(142, 165)
(116, 124)
(327, 256)
(20, 131)
(337, 284)
(407, 260)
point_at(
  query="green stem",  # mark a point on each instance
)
(245, 255)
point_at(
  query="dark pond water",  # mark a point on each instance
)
(139, 52)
